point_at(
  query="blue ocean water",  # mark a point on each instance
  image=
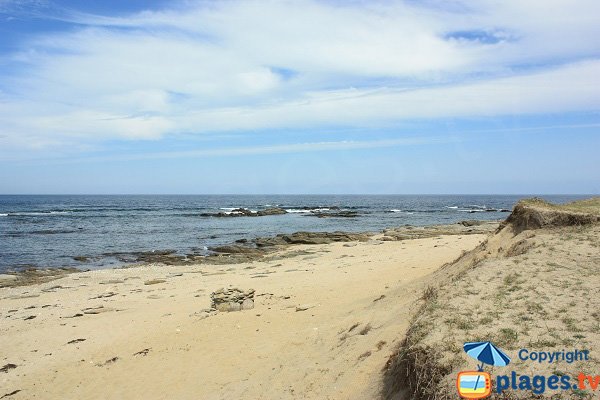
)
(48, 231)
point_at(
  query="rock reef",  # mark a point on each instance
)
(244, 212)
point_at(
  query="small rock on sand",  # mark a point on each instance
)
(96, 310)
(8, 367)
(232, 299)
(305, 307)
(154, 281)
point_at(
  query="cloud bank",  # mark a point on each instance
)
(211, 67)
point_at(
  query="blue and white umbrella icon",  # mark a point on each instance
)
(487, 353)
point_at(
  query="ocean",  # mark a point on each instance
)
(49, 231)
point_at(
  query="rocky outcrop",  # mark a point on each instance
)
(32, 276)
(334, 214)
(236, 249)
(244, 212)
(311, 238)
(232, 299)
(418, 232)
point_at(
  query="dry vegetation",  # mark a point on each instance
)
(523, 288)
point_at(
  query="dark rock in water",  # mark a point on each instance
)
(340, 214)
(235, 249)
(160, 256)
(271, 211)
(52, 232)
(504, 210)
(156, 256)
(243, 212)
(311, 238)
(81, 258)
(471, 222)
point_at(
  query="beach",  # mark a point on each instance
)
(325, 320)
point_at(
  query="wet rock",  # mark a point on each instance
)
(81, 258)
(235, 249)
(160, 256)
(311, 238)
(271, 211)
(244, 212)
(340, 214)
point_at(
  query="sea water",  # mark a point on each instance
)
(48, 231)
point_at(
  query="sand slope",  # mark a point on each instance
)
(532, 285)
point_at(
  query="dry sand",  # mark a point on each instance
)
(108, 335)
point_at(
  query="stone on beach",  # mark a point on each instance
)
(232, 299)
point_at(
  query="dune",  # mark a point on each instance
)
(533, 284)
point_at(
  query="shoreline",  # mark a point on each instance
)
(242, 250)
(325, 319)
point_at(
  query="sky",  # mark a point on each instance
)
(244, 96)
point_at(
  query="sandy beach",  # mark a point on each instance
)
(325, 320)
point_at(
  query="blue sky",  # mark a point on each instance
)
(299, 96)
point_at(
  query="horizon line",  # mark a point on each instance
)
(300, 194)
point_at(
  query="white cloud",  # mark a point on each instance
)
(272, 149)
(242, 65)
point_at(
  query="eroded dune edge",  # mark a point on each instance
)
(532, 284)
